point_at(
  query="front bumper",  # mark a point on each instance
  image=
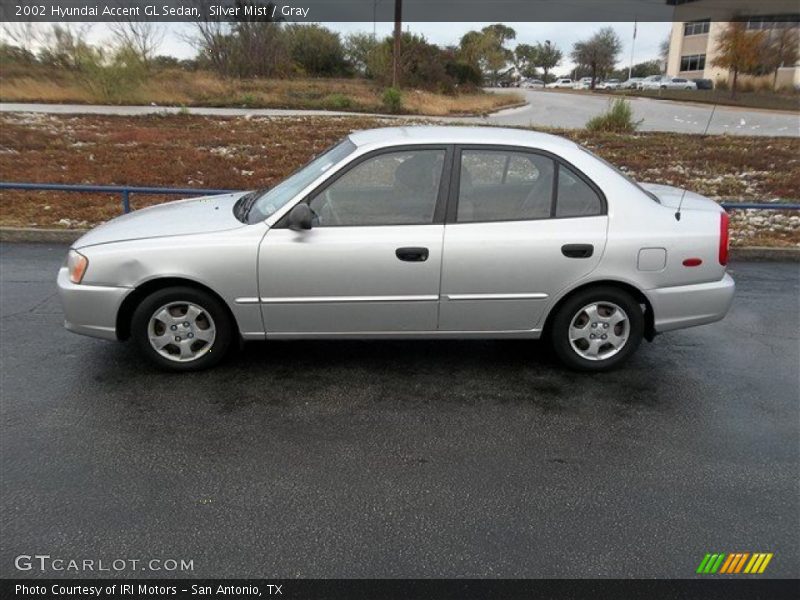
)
(90, 309)
(689, 305)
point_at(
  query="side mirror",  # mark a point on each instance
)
(301, 217)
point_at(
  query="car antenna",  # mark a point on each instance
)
(705, 133)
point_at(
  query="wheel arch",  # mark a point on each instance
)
(639, 295)
(133, 299)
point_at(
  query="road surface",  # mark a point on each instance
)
(401, 459)
(544, 109)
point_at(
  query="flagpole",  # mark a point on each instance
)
(633, 46)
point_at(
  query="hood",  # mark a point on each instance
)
(182, 217)
(671, 197)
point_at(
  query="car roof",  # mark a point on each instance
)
(438, 134)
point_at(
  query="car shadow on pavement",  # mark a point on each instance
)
(404, 373)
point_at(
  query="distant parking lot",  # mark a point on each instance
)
(402, 459)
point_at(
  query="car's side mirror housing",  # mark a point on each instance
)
(301, 217)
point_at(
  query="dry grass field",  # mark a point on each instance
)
(246, 153)
(174, 87)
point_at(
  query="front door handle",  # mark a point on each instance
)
(412, 254)
(577, 250)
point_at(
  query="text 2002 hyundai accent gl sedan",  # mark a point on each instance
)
(427, 232)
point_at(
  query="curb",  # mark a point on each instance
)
(764, 253)
(40, 236)
(67, 236)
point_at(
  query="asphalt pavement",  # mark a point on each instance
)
(401, 459)
(550, 108)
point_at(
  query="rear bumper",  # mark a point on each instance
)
(689, 305)
(90, 309)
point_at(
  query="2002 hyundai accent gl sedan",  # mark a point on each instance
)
(427, 232)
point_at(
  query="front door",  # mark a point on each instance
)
(524, 226)
(371, 263)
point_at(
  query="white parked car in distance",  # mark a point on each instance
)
(665, 82)
(532, 83)
(584, 83)
(611, 84)
(563, 82)
(631, 84)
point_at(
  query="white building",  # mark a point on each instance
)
(693, 45)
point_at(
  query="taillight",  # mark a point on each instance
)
(724, 237)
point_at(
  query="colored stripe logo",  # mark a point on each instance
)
(734, 563)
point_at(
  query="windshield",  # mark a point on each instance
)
(274, 198)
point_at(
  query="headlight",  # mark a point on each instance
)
(76, 265)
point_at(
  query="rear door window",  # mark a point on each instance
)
(499, 185)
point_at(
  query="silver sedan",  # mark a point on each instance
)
(419, 232)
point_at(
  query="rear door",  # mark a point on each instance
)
(372, 261)
(521, 225)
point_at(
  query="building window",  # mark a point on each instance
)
(696, 27)
(693, 62)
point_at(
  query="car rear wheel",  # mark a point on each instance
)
(597, 329)
(182, 329)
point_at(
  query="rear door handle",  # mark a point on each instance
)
(412, 254)
(577, 250)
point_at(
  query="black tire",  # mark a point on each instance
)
(562, 320)
(212, 353)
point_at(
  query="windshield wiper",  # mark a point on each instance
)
(246, 203)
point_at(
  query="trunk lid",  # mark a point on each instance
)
(671, 197)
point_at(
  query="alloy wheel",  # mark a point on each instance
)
(599, 330)
(181, 331)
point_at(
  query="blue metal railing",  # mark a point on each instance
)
(126, 190)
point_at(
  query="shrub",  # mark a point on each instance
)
(422, 65)
(316, 50)
(618, 119)
(111, 80)
(393, 100)
(338, 102)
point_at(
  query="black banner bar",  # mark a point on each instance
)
(722, 588)
(383, 10)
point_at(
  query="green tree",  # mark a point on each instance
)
(358, 47)
(598, 53)
(646, 69)
(316, 50)
(485, 49)
(526, 58)
(548, 57)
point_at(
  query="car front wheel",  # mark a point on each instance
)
(597, 329)
(182, 329)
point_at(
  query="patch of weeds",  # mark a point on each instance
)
(618, 119)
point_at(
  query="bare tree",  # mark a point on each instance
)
(252, 46)
(782, 50)
(66, 45)
(143, 37)
(25, 35)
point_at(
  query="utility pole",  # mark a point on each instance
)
(398, 32)
(633, 45)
